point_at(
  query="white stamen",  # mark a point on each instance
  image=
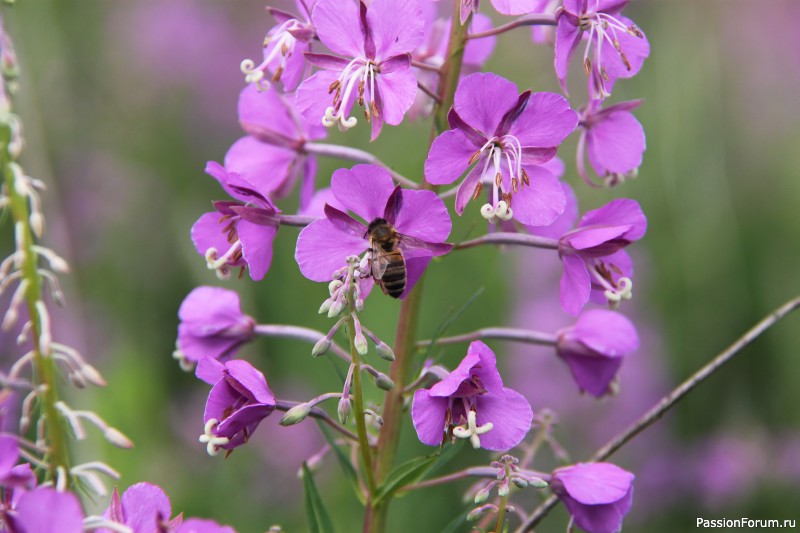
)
(213, 443)
(472, 430)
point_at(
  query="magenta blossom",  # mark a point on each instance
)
(212, 325)
(506, 7)
(614, 140)
(46, 510)
(420, 217)
(376, 44)
(505, 137)
(616, 47)
(237, 234)
(144, 508)
(597, 495)
(595, 347)
(594, 263)
(471, 402)
(271, 157)
(284, 46)
(238, 401)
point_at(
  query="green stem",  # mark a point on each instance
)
(43, 364)
(358, 400)
(501, 514)
(405, 339)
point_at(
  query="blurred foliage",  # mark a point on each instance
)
(123, 106)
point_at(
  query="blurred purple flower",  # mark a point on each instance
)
(237, 234)
(271, 157)
(377, 42)
(433, 51)
(597, 495)
(616, 47)
(144, 508)
(369, 192)
(594, 348)
(47, 510)
(198, 525)
(212, 324)
(506, 136)
(284, 46)
(594, 263)
(12, 475)
(238, 401)
(506, 7)
(496, 418)
(614, 140)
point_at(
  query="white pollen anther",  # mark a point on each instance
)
(213, 442)
(472, 430)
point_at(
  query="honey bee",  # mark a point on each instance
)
(386, 260)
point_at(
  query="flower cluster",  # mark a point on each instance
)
(369, 225)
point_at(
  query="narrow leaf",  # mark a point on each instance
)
(408, 472)
(319, 521)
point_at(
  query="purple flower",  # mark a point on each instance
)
(505, 137)
(368, 191)
(197, 525)
(597, 495)
(12, 475)
(46, 510)
(237, 234)
(506, 7)
(212, 324)
(616, 46)
(284, 46)
(594, 348)
(144, 508)
(238, 401)
(378, 41)
(594, 263)
(271, 157)
(471, 402)
(614, 140)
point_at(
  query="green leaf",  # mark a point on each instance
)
(319, 521)
(344, 462)
(408, 472)
(460, 518)
(444, 457)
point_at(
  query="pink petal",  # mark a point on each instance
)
(397, 26)
(467, 188)
(515, 7)
(636, 50)
(483, 98)
(265, 109)
(338, 26)
(450, 384)
(546, 121)
(213, 307)
(46, 510)
(477, 51)
(575, 285)
(448, 158)
(615, 144)
(256, 247)
(541, 202)
(423, 215)
(264, 166)
(565, 221)
(207, 233)
(618, 212)
(363, 190)
(145, 506)
(592, 236)
(210, 370)
(312, 98)
(251, 380)
(607, 332)
(511, 417)
(592, 373)
(397, 92)
(595, 483)
(323, 249)
(568, 35)
(428, 415)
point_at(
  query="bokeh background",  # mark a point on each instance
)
(124, 101)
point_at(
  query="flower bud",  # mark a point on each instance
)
(344, 410)
(361, 344)
(384, 351)
(326, 305)
(482, 495)
(321, 347)
(537, 483)
(296, 414)
(519, 482)
(384, 382)
(115, 437)
(503, 490)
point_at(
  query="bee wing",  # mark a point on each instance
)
(434, 248)
(379, 261)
